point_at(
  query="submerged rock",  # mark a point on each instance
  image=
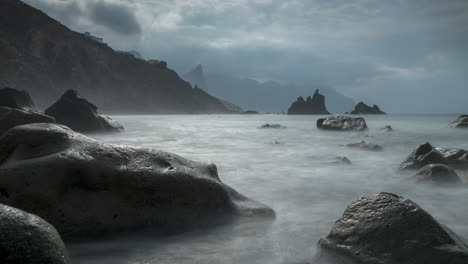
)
(26, 238)
(80, 115)
(366, 146)
(387, 128)
(342, 160)
(460, 122)
(10, 117)
(83, 186)
(388, 229)
(311, 106)
(342, 123)
(363, 109)
(16, 99)
(437, 173)
(272, 126)
(426, 154)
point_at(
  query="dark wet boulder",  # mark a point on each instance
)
(249, 112)
(363, 109)
(16, 99)
(10, 117)
(342, 160)
(28, 239)
(314, 105)
(388, 229)
(426, 154)
(83, 186)
(387, 128)
(342, 123)
(460, 122)
(80, 115)
(272, 126)
(437, 173)
(366, 146)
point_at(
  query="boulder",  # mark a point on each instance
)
(83, 186)
(366, 146)
(13, 98)
(342, 123)
(80, 115)
(26, 238)
(272, 126)
(10, 117)
(311, 106)
(437, 173)
(460, 122)
(388, 229)
(363, 109)
(426, 154)
(387, 128)
(342, 160)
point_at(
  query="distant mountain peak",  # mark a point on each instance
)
(196, 77)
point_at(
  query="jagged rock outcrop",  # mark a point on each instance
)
(344, 123)
(83, 186)
(460, 122)
(10, 117)
(45, 58)
(13, 98)
(366, 146)
(26, 238)
(311, 106)
(426, 154)
(437, 173)
(363, 109)
(80, 115)
(388, 229)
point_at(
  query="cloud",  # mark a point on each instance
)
(118, 18)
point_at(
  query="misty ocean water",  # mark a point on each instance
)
(292, 170)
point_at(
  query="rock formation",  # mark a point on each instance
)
(14, 117)
(342, 160)
(80, 115)
(272, 126)
(426, 154)
(366, 146)
(437, 173)
(344, 123)
(460, 122)
(83, 186)
(249, 112)
(311, 106)
(26, 238)
(387, 128)
(363, 109)
(45, 58)
(12, 98)
(389, 229)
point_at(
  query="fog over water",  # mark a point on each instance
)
(289, 169)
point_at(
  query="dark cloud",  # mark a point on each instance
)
(118, 18)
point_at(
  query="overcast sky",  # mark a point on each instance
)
(406, 56)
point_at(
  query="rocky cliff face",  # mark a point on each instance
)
(310, 106)
(43, 57)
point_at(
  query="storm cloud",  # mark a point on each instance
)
(407, 56)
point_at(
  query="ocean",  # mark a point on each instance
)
(290, 169)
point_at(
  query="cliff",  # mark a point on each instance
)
(45, 58)
(311, 106)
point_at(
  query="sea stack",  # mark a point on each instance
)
(363, 109)
(310, 106)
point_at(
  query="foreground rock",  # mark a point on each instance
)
(389, 229)
(437, 173)
(272, 126)
(13, 98)
(80, 115)
(426, 154)
(460, 122)
(363, 109)
(342, 123)
(83, 186)
(14, 117)
(26, 238)
(366, 146)
(311, 106)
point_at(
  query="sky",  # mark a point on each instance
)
(407, 56)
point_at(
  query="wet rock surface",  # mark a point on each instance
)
(437, 173)
(80, 115)
(365, 146)
(15, 99)
(10, 117)
(388, 229)
(342, 123)
(426, 154)
(83, 186)
(28, 239)
(460, 122)
(272, 126)
(342, 160)
(387, 128)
